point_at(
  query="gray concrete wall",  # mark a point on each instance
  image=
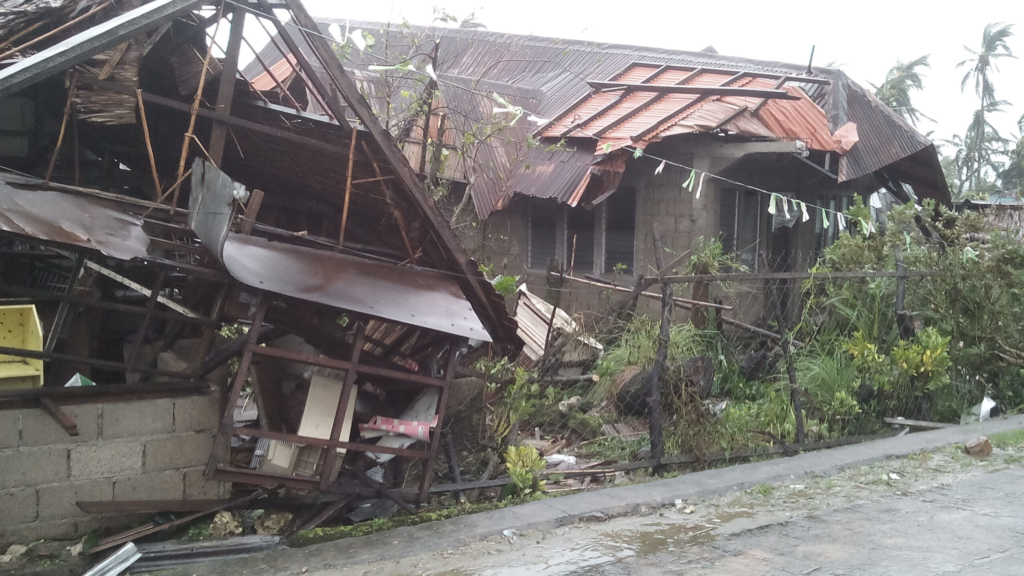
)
(502, 239)
(139, 450)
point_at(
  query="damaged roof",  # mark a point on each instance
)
(299, 160)
(576, 79)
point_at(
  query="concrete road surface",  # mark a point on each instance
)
(931, 514)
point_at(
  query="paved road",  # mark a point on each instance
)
(975, 526)
(882, 507)
(936, 514)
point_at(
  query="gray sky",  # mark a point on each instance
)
(863, 38)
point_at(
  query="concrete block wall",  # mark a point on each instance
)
(138, 450)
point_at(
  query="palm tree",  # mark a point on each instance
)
(894, 92)
(982, 63)
(979, 149)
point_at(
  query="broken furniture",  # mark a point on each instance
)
(20, 328)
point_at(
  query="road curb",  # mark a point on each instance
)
(610, 502)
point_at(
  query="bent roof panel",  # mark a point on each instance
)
(28, 209)
(416, 297)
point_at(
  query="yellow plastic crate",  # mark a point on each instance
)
(20, 328)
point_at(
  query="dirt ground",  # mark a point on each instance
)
(939, 512)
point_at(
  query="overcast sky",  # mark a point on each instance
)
(863, 38)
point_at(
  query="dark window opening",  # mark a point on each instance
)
(620, 231)
(825, 237)
(579, 228)
(543, 223)
(739, 225)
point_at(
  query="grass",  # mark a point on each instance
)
(1008, 439)
(330, 534)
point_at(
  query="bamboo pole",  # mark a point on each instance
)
(22, 33)
(348, 186)
(149, 147)
(195, 112)
(63, 127)
(53, 32)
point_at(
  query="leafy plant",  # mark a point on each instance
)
(524, 465)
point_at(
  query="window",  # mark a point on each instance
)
(543, 226)
(825, 237)
(619, 230)
(579, 227)
(739, 225)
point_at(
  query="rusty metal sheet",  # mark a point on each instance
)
(412, 296)
(29, 210)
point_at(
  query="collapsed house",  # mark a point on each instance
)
(160, 218)
(603, 140)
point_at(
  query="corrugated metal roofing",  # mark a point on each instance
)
(560, 69)
(637, 117)
(283, 71)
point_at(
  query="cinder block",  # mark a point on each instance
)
(18, 505)
(33, 466)
(10, 427)
(110, 523)
(25, 533)
(197, 414)
(199, 488)
(39, 429)
(135, 419)
(106, 460)
(59, 501)
(158, 486)
(181, 451)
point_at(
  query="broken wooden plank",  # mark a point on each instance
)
(62, 418)
(918, 423)
(382, 490)
(148, 529)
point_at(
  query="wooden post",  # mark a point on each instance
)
(63, 127)
(348, 186)
(251, 211)
(654, 408)
(222, 441)
(194, 112)
(150, 305)
(209, 333)
(149, 146)
(795, 392)
(65, 306)
(435, 439)
(226, 88)
(339, 416)
(453, 466)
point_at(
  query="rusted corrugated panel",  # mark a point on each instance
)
(28, 209)
(416, 297)
(552, 173)
(533, 315)
(283, 71)
(798, 120)
(883, 139)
